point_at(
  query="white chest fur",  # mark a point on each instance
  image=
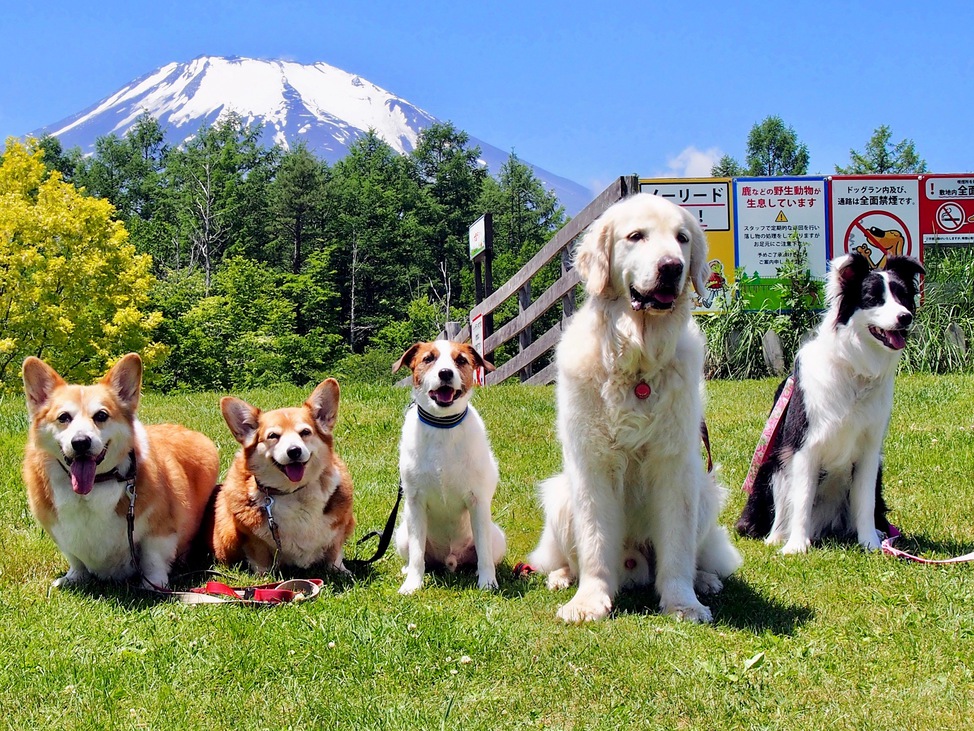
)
(89, 530)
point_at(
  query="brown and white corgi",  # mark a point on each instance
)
(286, 480)
(85, 446)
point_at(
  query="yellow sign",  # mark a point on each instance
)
(711, 203)
(782, 218)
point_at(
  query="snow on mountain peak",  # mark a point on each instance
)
(324, 106)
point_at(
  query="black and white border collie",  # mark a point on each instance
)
(822, 476)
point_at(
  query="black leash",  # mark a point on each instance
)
(385, 537)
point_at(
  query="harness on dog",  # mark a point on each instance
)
(769, 435)
(440, 422)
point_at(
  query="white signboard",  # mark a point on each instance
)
(708, 201)
(878, 216)
(769, 214)
(478, 237)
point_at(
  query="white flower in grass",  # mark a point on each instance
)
(466, 660)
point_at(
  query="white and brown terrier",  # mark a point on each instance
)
(448, 472)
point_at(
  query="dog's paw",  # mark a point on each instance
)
(586, 607)
(688, 612)
(794, 546)
(707, 583)
(488, 583)
(155, 580)
(870, 541)
(74, 576)
(560, 579)
(410, 585)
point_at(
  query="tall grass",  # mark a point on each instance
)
(838, 639)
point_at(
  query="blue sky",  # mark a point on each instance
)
(586, 90)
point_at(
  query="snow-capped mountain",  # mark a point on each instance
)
(326, 107)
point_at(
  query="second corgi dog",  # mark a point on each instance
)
(447, 470)
(287, 498)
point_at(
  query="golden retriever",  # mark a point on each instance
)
(629, 383)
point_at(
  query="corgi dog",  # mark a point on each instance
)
(822, 474)
(447, 469)
(287, 498)
(86, 447)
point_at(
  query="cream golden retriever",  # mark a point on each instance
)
(630, 369)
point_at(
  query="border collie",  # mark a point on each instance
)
(822, 476)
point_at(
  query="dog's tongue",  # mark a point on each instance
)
(83, 475)
(444, 396)
(896, 339)
(294, 471)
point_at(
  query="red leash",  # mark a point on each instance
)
(281, 592)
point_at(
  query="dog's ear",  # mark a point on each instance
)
(594, 257)
(242, 418)
(844, 289)
(908, 269)
(847, 272)
(478, 359)
(125, 379)
(699, 266)
(323, 404)
(407, 358)
(40, 380)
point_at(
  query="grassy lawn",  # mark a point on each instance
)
(838, 639)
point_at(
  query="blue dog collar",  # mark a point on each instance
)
(440, 422)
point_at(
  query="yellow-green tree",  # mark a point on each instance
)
(72, 288)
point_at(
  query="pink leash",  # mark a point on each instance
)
(889, 550)
(770, 433)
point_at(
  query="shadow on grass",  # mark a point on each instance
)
(737, 606)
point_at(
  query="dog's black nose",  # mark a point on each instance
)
(81, 445)
(670, 268)
(446, 375)
(294, 452)
(904, 319)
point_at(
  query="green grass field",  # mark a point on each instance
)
(837, 639)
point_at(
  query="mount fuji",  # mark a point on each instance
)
(322, 105)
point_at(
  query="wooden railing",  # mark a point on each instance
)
(530, 349)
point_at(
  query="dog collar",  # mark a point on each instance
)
(440, 422)
(273, 491)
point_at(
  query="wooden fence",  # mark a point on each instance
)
(562, 291)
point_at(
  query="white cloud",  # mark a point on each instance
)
(691, 163)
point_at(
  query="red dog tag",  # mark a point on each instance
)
(642, 390)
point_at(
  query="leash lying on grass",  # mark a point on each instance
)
(889, 550)
(281, 592)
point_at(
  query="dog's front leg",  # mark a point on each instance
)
(415, 520)
(480, 525)
(802, 488)
(862, 496)
(599, 522)
(675, 518)
(157, 556)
